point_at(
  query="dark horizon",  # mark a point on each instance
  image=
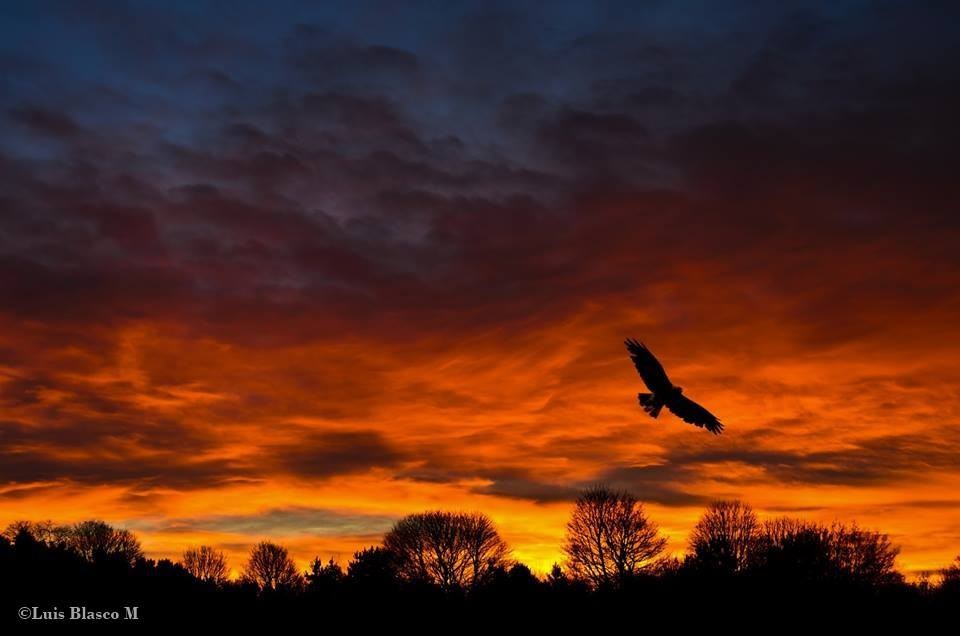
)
(451, 565)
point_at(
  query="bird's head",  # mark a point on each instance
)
(679, 389)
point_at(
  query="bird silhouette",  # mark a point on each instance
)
(665, 393)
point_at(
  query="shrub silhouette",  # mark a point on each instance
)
(865, 557)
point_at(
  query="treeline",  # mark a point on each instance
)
(445, 563)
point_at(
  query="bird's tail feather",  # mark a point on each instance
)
(649, 404)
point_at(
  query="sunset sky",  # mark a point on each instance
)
(270, 270)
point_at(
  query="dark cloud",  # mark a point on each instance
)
(673, 479)
(654, 484)
(324, 56)
(93, 440)
(323, 454)
(657, 483)
(27, 492)
(878, 460)
(169, 470)
(44, 122)
(149, 455)
(519, 486)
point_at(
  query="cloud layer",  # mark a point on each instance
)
(365, 261)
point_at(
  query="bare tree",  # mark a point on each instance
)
(206, 564)
(452, 550)
(98, 541)
(609, 537)
(484, 548)
(722, 539)
(271, 568)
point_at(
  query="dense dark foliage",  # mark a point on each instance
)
(783, 570)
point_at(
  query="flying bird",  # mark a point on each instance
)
(665, 393)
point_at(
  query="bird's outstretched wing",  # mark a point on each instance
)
(692, 413)
(649, 368)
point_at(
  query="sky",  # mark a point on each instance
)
(293, 270)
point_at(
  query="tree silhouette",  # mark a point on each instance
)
(609, 537)
(206, 564)
(791, 565)
(722, 539)
(556, 578)
(97, 541)
(951, 577)
(666, 566)
(509, 583)
(787, 548)
(796, 550)
(47, 532)
(324, 577)
(521, 578)
(271, 568)
(452, 550)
